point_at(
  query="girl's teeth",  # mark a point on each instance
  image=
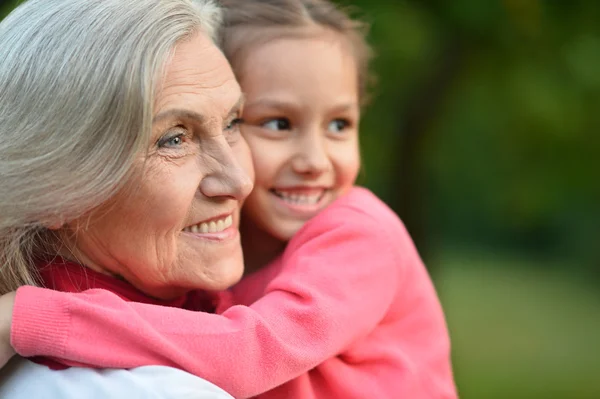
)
(299, 199)
(211, 227)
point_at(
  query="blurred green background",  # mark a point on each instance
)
(481, 136)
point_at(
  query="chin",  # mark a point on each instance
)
(286, 233)
(228, 283)
(226, 276)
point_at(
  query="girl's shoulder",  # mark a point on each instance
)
(362, 202)
(362, 208)
(360, 212)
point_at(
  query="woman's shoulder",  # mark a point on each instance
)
(21, 378)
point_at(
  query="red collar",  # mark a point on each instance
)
(63, 275)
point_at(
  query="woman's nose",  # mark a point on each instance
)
(228, 177)
(311, 157)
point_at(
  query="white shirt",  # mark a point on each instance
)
(23, 379)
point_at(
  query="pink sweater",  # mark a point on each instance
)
(348, 311)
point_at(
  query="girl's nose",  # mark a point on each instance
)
(312, 157)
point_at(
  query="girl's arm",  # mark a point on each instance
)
(338, 279)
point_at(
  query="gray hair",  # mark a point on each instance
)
(77, 85)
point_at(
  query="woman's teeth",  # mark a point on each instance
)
(215, 226)
(299, 199)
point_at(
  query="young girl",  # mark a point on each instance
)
(336, 302)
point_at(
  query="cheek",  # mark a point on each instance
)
(162, 201)
(264, 172)
(257, 206)
(265, 160)
(347, 164)
(145, 220)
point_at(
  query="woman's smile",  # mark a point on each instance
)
(220, 228)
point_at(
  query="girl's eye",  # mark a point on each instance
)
(172, 141)
(337, 125)
(277, 124)
(235, 123)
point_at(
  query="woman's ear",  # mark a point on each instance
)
(55, 223)
(55, 226)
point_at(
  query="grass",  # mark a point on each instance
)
(520, 329)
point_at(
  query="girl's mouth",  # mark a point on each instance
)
(300, 197)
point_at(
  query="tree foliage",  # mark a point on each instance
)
(505, 96)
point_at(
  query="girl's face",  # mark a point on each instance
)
(301, 123)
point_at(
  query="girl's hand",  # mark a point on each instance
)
(6, 309)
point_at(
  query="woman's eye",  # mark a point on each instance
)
(277, 124)
(172, 141)
(235, 123)
(337, 125)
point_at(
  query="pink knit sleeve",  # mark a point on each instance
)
(339, 278)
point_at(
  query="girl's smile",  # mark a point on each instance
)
(303, 202)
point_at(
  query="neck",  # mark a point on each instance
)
(260, 248)
(69, 251)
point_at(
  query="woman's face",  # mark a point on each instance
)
(301, 123)
(176, 229)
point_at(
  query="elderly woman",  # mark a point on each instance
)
(121, 163)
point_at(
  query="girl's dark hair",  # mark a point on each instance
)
(251, 22)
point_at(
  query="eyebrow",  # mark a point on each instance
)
(272, 103)
(283, 105)
(179, 113)
(238, 105)
(345, 107)
(193, 115)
